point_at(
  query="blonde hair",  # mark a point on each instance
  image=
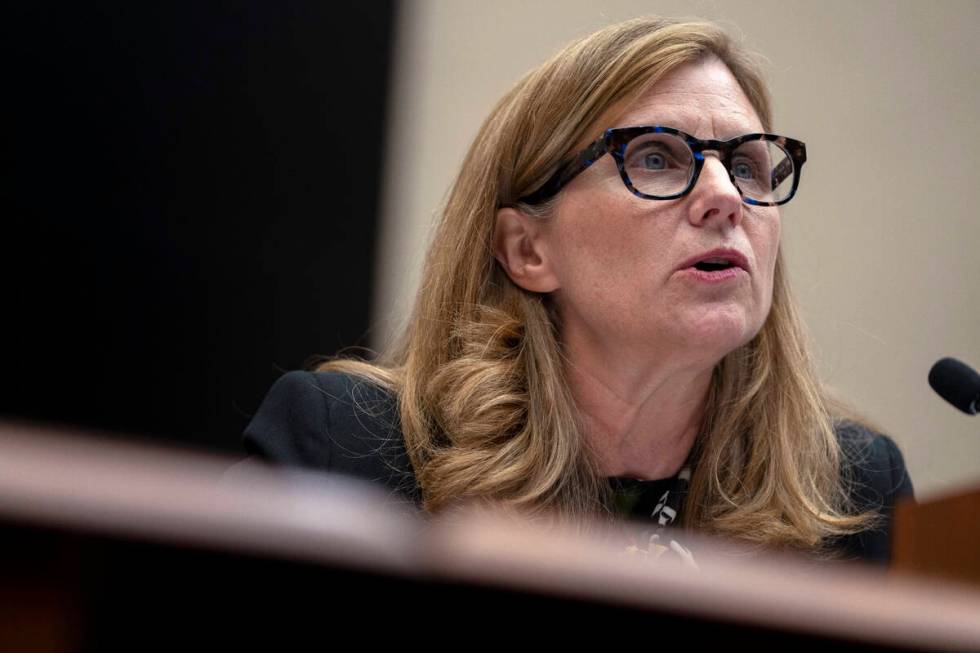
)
(485, 409)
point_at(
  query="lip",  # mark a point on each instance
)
(717, 277)
(733, 255)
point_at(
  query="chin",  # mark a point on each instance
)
(721, 333)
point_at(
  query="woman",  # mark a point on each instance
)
(604, 323)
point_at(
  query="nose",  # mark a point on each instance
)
(714, 198)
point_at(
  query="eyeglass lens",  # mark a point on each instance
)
(662, 165)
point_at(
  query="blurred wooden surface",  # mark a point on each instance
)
(107, 542)
(939, 537)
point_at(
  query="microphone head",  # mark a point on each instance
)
(957, 383)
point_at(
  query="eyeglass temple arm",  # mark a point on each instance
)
(566, 173)
(782, 170)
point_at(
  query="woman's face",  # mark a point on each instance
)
(621, 261)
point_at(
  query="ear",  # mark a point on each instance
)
(519, 246)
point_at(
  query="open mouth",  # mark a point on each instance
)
(720, 262)
(713, 266)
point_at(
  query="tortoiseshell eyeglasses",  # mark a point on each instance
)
(662, 163)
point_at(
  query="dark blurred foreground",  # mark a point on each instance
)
(112, 547)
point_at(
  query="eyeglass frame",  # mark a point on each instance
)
(615, 140)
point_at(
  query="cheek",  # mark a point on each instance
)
(767, 252)
(772, 244)
(604, 247)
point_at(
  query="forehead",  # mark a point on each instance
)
(702, 98)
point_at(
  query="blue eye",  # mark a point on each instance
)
(654, 161)
(743, 170)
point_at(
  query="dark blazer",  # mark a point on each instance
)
(341, 424)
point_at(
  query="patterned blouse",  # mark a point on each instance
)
(651, 507)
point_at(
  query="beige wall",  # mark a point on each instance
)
(882, 238)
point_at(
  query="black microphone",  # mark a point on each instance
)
(957, 383)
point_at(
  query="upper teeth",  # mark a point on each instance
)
(715, 260)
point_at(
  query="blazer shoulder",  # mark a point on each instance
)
(874, 460)
(335, 422)
(291, 424)
(875, 476)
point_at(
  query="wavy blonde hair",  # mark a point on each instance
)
(486, 412)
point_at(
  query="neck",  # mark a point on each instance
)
(640, 422)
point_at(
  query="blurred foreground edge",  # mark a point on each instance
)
(109, 545)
